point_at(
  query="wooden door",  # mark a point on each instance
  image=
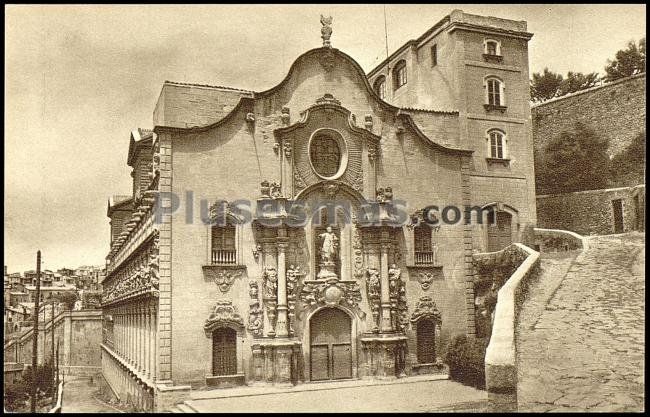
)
(331, 345)
(224, 351)
(426, 351)
(499, 234)
(617, 208)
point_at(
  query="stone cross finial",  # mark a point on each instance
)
(326, 30)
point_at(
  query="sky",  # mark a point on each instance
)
(78, 79)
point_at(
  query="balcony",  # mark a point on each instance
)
(425, 258)
(224, 257)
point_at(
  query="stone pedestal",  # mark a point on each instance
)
(382, 356)
(276, 362)
(327, 270)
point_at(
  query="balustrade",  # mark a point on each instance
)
(224, 257)
(424, 258)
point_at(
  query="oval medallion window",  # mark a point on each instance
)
(327, 154)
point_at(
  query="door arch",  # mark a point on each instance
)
(330, 345)
(499, 230)
(224, 351)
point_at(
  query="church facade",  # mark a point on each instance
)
(290, 235)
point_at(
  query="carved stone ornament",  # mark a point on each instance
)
(224, 314)
(298, 181)
(330, 189)
(385, 195)
(326, 30)
(398, 301)
(368, 122)
(276, 190)
(425, 279)
(270, 276)
(223, 277)
(285, 115)
(287, 150)
(426, 308)
(255, 322)
(253, 290)
(331, 293)
(373, 289)
(328, 99)
(141, 277)
(250, 117)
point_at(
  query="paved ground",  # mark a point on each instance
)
(79, 396)
(582, 337)
(441, 395)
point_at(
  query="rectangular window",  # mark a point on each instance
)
(434, 55)
(496, 146)
(492, 48)
(494, 95)
(223, 245)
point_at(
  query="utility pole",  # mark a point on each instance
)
(35, 333)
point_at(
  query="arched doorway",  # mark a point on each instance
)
(499, 231)
(426, 347)
(224, 351)
(330, 345)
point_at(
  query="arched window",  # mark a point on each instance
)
(492, 47)
(380, 87)
(497, 144)
(494, 92)
(399, 74)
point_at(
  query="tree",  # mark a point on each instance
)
(628, 167)
(576, 81)
(575, 160)
(67, 298)
(628, 61)
(545, 86)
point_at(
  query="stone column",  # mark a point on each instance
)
(386, 324)
(281, 327)
(147, 344)
(140, 340)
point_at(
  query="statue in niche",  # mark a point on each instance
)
(330, 245)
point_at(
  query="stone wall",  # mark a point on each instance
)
(500, 355)
(79, 334)
(590, 212)
(615, 111)
(554, 240)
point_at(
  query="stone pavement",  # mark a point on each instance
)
(79, 396)
(581, 332)
(417, 396)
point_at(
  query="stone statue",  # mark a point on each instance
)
(330, 245)
(326, 30)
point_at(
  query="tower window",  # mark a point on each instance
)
(434, 55)
(494, 92)
(492, 47)
(399, 74)
(497, 144)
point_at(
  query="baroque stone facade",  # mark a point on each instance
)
(351, 290)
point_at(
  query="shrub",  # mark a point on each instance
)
(68, 299)
(466, 360)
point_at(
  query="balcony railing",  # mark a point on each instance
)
(221, 257)
(425, 258)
